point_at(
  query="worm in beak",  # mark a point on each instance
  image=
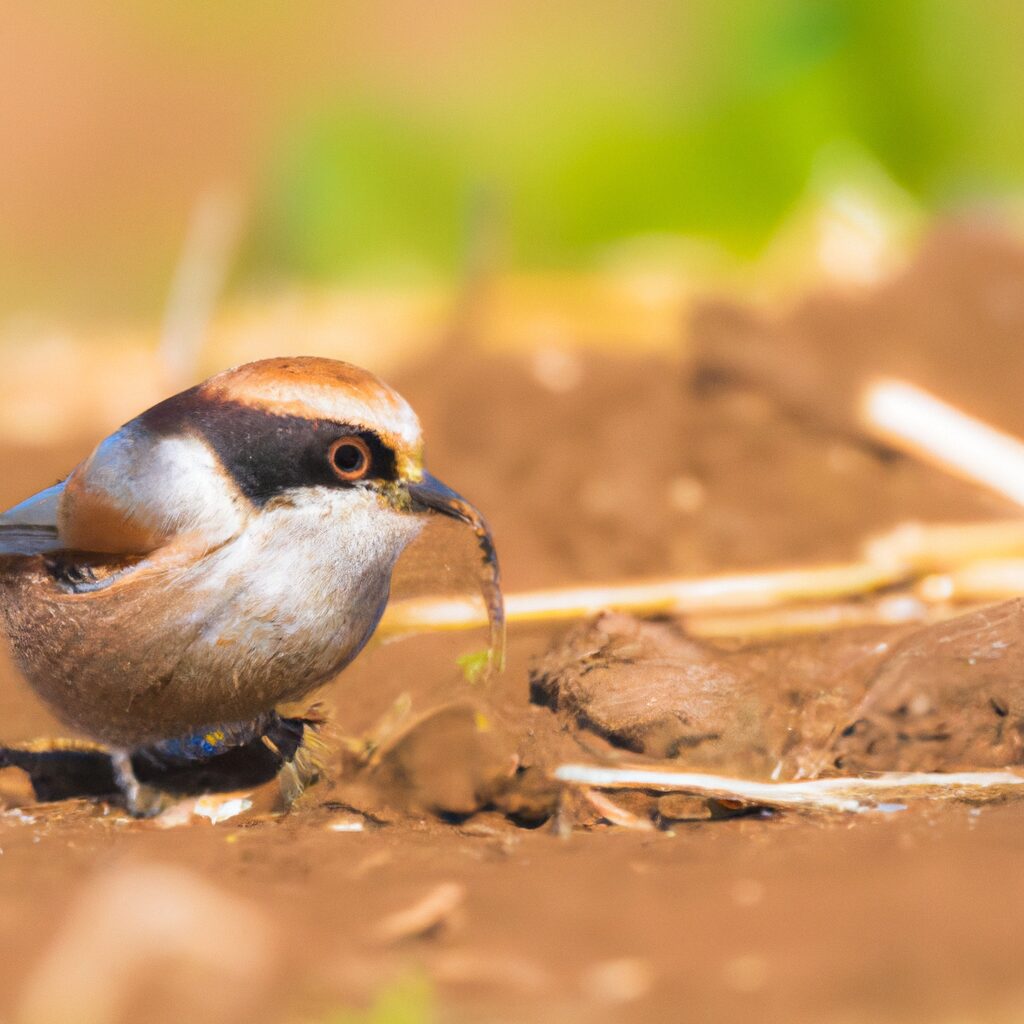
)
(430, 494)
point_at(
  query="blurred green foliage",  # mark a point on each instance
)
(401, 141)
(409, 1000)
(703, 118)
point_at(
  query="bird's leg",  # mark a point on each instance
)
(140, 800)
(238, 755)
(216, 759)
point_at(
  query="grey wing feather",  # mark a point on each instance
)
(28, 540)
(30, 528)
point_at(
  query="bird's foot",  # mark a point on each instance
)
(304, 768)
(148, 779)
(140, 800)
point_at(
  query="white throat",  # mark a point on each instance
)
(306, 580)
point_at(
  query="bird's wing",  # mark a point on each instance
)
(92, 520)
(76, 515)
(30, 528)
(133, 495)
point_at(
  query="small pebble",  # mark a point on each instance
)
(683, 807)
(346, 825)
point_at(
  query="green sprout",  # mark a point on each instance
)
(409, 1000)
(474, 665)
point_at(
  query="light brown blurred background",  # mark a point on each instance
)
(369, 142)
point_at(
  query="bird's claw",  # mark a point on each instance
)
(140, 800)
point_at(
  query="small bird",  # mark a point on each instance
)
(225, 552)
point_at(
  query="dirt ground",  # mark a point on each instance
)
(438, 872)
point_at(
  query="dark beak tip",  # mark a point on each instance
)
(430, 494)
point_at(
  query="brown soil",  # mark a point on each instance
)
(470, 869)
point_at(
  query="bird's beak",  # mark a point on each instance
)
(429, 494)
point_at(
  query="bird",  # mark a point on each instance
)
(227, 551)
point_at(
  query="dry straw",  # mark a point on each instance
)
(912, 573)
(882, 792)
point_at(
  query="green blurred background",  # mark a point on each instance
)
(375, 141)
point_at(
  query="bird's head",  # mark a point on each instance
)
(281, 426)
(305, 432)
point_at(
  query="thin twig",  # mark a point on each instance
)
(909, 418)
(891, 610)
(931, 547)
(664, 597)
(198, 279)
(899, 413)
(616, 815)
(992, 580)
(835, 794)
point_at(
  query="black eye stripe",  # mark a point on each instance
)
(265, 453)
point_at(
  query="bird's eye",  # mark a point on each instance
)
(350, 458)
